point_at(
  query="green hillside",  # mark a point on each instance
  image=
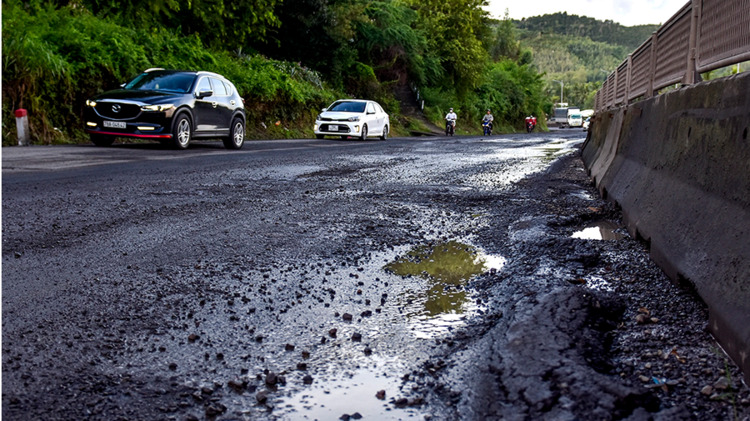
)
(578, 51)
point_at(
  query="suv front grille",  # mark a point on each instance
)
(124, 112)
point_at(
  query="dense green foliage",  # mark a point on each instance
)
(286, 61)
(56, 58)
(578, 51)
(607, 31)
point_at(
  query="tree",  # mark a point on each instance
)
(453, 29)
(506, 43)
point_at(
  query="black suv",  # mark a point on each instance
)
(170, 106)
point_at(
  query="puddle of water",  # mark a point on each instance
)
(582, 194)
(447, 269)
(350, 393)
(601, 230)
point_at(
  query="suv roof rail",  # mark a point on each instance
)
(153, 69)
(204, 72)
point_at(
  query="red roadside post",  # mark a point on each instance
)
(22, 125)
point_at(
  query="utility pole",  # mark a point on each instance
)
(561, 89)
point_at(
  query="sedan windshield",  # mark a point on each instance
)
(348, 107)
(169, 82)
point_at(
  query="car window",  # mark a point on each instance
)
(219, 88)
(159, 81)
(348, 107)
(203, 85)
(370, 108)
(229, 88)
(378, 108)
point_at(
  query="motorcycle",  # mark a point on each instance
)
(530, 124)
(450, 127)
(487, 126)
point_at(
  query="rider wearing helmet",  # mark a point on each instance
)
(487, 122)
(488, 117)
(451, 116)
(450, 122)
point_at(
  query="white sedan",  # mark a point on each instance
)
(353, 117)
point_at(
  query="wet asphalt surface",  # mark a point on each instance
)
(423, 278)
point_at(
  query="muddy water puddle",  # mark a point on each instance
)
(445, 268)
(370, 392)
(425, 297)
(600, 230)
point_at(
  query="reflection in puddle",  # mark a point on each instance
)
(350, 393)
(447, 268)
(602, 230)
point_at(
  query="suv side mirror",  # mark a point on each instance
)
(203, 94)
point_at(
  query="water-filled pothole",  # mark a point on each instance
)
(352, 392)
(600, 230)
(446, 268)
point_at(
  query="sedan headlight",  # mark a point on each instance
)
(90, 103)
(157, 107)
(353, 118)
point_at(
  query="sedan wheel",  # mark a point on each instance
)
(236, 135)
(384, 136)
(364, 133)
(181, 133)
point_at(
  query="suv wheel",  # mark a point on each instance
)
(236, 135)
(181, 132)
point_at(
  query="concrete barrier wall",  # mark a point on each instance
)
(679, 167)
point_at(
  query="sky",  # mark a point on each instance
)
(625, 12)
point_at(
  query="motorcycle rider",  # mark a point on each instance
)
(530, 123)
(488, 118)
(450, 118)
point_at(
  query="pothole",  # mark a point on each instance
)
(368, 391)
(600, 230)
(445, 268)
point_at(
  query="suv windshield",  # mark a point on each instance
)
(348, 107)
(158, 81)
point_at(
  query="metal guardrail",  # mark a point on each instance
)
(703, 35)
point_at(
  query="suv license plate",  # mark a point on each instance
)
(115, 124)
(333, 128)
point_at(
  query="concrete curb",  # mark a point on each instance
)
(679, 166)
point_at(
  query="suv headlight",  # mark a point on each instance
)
(157, 107)
(90, 103)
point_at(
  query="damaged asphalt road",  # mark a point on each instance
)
(415, 278)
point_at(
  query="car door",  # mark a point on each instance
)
(222, 109)
(373, 124)
(382, 115)
(205, 115)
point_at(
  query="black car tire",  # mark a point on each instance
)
(102, 140)
(363, 136)
(236, 137)
(384, 136)
(182, 131)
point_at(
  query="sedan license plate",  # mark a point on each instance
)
(115, 124)
(333, 128)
